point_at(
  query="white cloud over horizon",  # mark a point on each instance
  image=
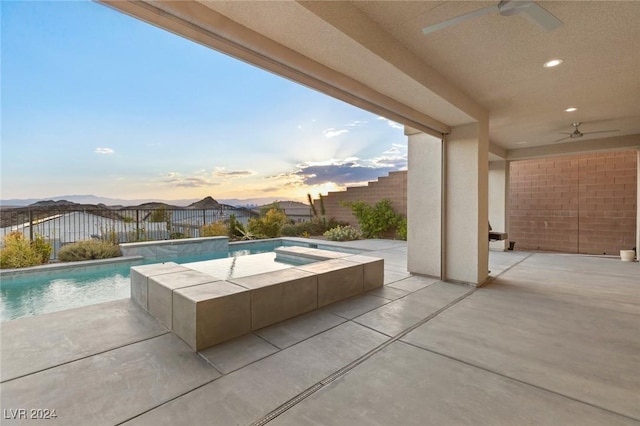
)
(391, 123)
(347, 171)
(223, 173)
(332, 133)
(104, 151)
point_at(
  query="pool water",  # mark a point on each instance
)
(22, 297)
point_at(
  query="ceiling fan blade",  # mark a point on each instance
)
(560, 140)
(601, 131)
(440, 25)
(540, 16)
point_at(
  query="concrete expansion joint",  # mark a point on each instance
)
(522, 382)
(166, 402)
(344, 370)
(492, 278)
(85, 357)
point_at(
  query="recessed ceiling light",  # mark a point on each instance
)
(571, 109)
(552, 63)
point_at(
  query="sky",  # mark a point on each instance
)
(96, 102)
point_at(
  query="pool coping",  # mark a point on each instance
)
(80, 266)
(56, 267)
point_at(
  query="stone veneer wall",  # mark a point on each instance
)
(577, 204)
(392, 187)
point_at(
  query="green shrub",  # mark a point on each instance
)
(375, 220)
(270, 225)
(401, 232)
(215, 229)
(18, 252)
(88, 250)
(342, 233)
(292, 230)
(41, 248)
(245, 234)
(177, 236)
(160, 215)
(236, 228)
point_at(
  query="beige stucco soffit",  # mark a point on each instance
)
(204, 24)
(576, 147)
(496, 152)
(354, 23)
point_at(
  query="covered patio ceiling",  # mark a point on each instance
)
(373, 54)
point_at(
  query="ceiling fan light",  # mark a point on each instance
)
(571, 109)
(552, 63)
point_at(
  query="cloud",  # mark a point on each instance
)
(342, 174)
(104, 151)
(392, 124)
(188, 182)
(273, 189)
(356, 123)
(232, 173)
(395, 162)
(332, 133)
(194, 183)
(392, 150)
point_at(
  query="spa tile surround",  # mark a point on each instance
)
(204, 310)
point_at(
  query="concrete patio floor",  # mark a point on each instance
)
(552, 339)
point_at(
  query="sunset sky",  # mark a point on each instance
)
(96, 102)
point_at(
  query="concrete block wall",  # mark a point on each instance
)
(577, 204)
(392, 187)
(574, 204)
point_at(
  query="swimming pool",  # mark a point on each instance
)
(22, 297)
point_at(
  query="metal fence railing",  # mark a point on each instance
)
(60, 226)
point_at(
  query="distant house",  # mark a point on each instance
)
(65, 228)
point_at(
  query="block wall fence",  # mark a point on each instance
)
(574, 204)
(392, 187)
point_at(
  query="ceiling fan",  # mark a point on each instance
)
(529, 9)
(578, 134)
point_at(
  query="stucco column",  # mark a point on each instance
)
(447, 204)
(638, 206)
(466, 220)
(424, 204)
(499, 201)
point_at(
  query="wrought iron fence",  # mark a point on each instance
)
(60, 226)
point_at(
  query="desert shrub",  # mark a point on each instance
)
(314, 227)
(88, 250)
(332, 223)
(215, 229)
(160, 215)
(41, 248)
(177, 236)
(18, 252)
(291, 230)
(401, 232)
(374, 220)
(236, 229)
(269, 225)
(342, 233)
(246, 234)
